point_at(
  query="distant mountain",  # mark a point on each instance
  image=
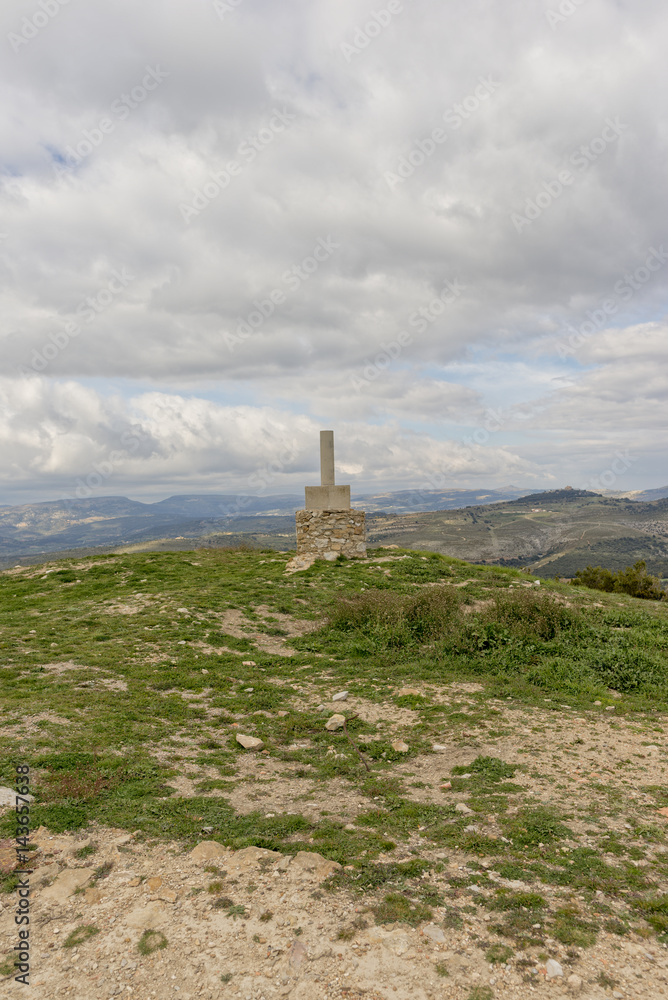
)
(641, 495)
(59, 525)
(553, 531)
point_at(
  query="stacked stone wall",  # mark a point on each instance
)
(327, 534)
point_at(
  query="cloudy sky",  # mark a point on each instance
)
(439, 229)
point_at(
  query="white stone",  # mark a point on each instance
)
(8, 796)
(461, 807)
(553, 969)
(341, 696)
(434, 933)
(336, 722)
(400, 746)
(438, 746)
(207, 850)
(249, 742)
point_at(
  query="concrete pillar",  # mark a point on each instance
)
(326, 458)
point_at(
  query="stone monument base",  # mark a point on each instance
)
(326, 534)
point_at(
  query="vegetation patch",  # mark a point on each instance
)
(151, 941)
(79, 935)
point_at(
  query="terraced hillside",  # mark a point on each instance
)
(551, 533)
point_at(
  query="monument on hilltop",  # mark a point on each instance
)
(328, 526)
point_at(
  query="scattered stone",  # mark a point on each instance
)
(168, 896)
(400, 746)
(248, 857)
(248, 663)
(153, 884)
(446, 786)
(574, 983)
(183, 611)
(299, 563)
(434, 933)
(652, 746)
(663, 812)
(207, 829)
(553, 969)
(610, 708)
(407, 691)
(438, 746)
(336, 722)
(249, 742)
(92, 895)
(282, 714)
(462, 808)
(599, 703)
(297, 953)
(341, 696)
(309, 861)
(207, 850)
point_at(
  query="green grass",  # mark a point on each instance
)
(116, 729)
(79, 935)
(151, 941)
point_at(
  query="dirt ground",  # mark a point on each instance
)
(296, 952)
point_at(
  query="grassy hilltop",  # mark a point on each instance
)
(126, 678)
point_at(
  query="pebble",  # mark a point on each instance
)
(341, 696)
(438, 746)
(574, 983)
(400, 747)
(461, 807)
(434, 933)
(446, 785)
(553, 969)
(407, 691)
(249, 742)
(609, 708)
(248, 663)
(598, 703)
(336, 722)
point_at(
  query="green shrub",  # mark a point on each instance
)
(397, 620)
(634, 580)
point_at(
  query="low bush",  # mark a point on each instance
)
(634, 580)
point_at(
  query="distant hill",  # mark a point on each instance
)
(553, 532)
(59, 525)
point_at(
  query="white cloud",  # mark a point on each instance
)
(322, 176)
